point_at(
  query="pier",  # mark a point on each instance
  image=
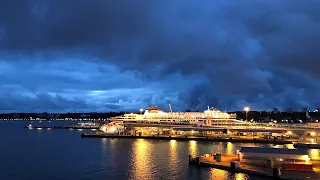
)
(231, 163)
(186, 138)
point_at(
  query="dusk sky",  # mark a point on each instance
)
(123, 55)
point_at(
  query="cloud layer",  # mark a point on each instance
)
(66, 55)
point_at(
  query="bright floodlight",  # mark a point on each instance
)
(112, 129)
(246, 109)
(141, 110)
(312, 133)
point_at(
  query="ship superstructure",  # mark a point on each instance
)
(157, 115)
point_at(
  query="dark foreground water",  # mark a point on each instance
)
(63, 154)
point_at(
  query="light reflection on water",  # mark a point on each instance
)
(218, 174)
(169, 160)
(46, 155)
(142, 160)
(173, 154)
(230, 148)
(193, 148)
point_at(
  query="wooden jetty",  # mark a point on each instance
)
(185, 138)
(231, 163)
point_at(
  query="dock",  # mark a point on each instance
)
(63, 127)
(231, 163)
(186, 138)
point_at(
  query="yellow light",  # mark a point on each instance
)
(289, 132)
(103, 128)
(173, 141)
(312, 133)
(112, 129)
(142, 166)
(306, 158)
(193, 150)
(173, 155)
(312, 141)
(241, 176)
(192, 131)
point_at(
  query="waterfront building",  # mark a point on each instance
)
(157, 115)
(113, 127)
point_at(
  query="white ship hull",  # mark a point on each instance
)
(156, 115)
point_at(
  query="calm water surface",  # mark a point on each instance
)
(63, 154)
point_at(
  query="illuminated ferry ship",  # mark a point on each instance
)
(154, 114)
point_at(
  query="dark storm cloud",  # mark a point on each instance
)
(257, 53)
(42, 102)
(41, 25)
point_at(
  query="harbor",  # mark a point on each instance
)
(211, 127)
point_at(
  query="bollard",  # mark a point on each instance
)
(233, 166)
(197, 160)
(218, 157)
(276, 173)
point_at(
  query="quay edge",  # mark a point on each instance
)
(187, 138)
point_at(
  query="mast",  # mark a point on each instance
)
(170, 108)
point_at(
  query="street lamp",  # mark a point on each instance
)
(246, 109)
(141, 110)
